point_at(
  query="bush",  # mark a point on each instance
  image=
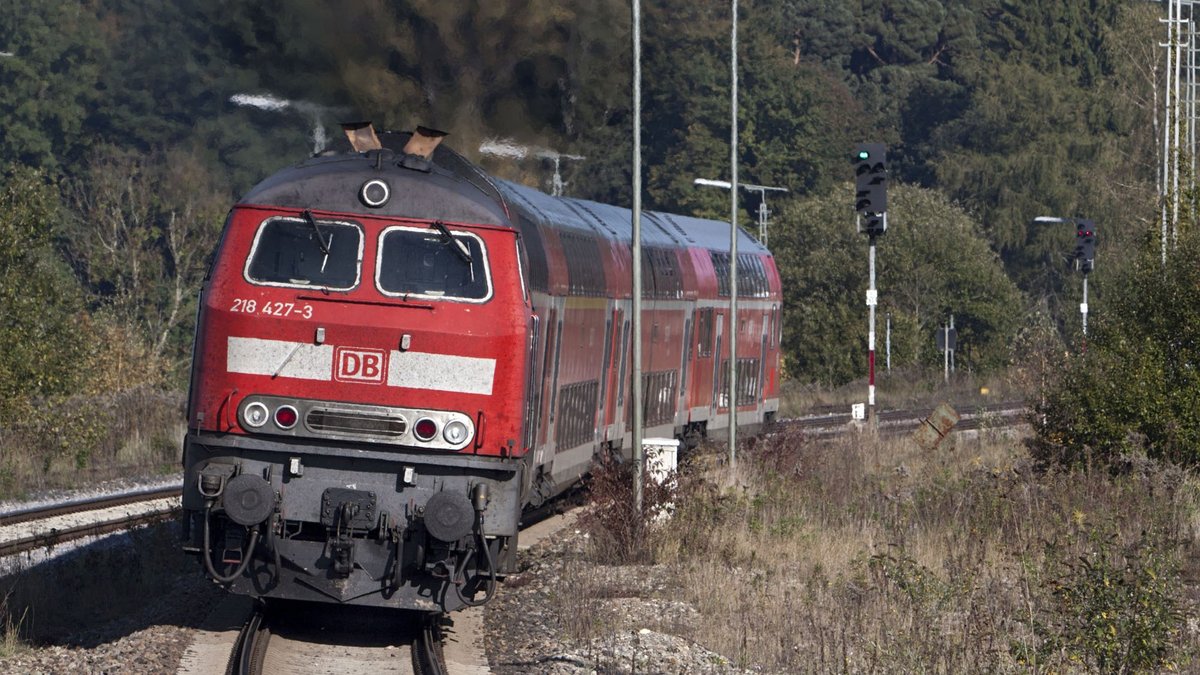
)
(1113, 608)
(1136, 388)
(618, 530)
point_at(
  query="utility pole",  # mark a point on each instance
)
(763, 212)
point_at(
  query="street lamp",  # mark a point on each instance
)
(762, 190)
(313, 112)
(506, 147)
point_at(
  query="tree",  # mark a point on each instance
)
(49, 78)
(932, 262)
(42, 328)
(143, 230)
(1137, 386)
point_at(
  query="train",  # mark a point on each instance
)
(397, 355)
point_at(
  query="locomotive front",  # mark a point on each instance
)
(355, 406)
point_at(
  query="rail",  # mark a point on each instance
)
(51, 525)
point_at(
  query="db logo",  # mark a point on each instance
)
(359, 365)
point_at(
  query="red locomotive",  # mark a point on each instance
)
(397, 354)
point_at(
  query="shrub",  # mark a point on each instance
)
(1137, 386)
(619, 531)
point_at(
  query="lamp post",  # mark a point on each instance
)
(506, 147)
(636, 291)
(762, 190)
(314, 113)
(733, 232)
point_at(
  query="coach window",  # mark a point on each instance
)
(433, 263)
(306, 252)
(704, 331)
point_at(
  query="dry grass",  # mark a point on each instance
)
(90, 438)
(10, 629)
(867, 555)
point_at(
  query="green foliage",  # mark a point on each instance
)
(40, 306)
(932, 262)
(1137, 388)
(49, 77)
(1113, 609)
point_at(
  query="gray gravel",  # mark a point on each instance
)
(564, 616)
(558, 616)
(126, 605)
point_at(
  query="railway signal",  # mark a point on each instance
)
(870, 182)
(1085, 245)
(1084, 255)
(870, 205)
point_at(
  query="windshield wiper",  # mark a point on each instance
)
(459, 247)
(320, 237)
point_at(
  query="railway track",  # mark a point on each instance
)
(897, 422)
(295, 638)
(49, 526)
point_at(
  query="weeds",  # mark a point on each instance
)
(1113, 608)
(619, 531)
(867, 555)
(10, 631)
(89, 438)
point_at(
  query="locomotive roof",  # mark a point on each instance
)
(446, 188)
(453, 189)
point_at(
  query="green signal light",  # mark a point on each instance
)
(863, 154)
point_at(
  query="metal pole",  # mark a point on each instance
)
(1175, 131)
(762, 218)
(1083, 307)
(888, 342)
(636, 323)
(946, 353)
(733, 237)
(952, 348)
(871, 299)
(1191, 90)
(1166, 156)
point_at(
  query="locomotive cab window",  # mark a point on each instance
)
(433, 263)
(305, 252)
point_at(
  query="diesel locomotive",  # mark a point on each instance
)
(396, 355)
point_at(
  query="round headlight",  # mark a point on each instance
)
(455, 432)
(255, 415)
(375, 193)
(425, 429)
(286, 416)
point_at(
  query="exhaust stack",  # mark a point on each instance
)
(361, 136)
(423, 142)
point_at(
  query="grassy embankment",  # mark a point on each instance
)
(873, 555)
(88, 439)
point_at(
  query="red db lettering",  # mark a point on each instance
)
(359, 365)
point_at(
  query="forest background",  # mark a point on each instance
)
(122, 147)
